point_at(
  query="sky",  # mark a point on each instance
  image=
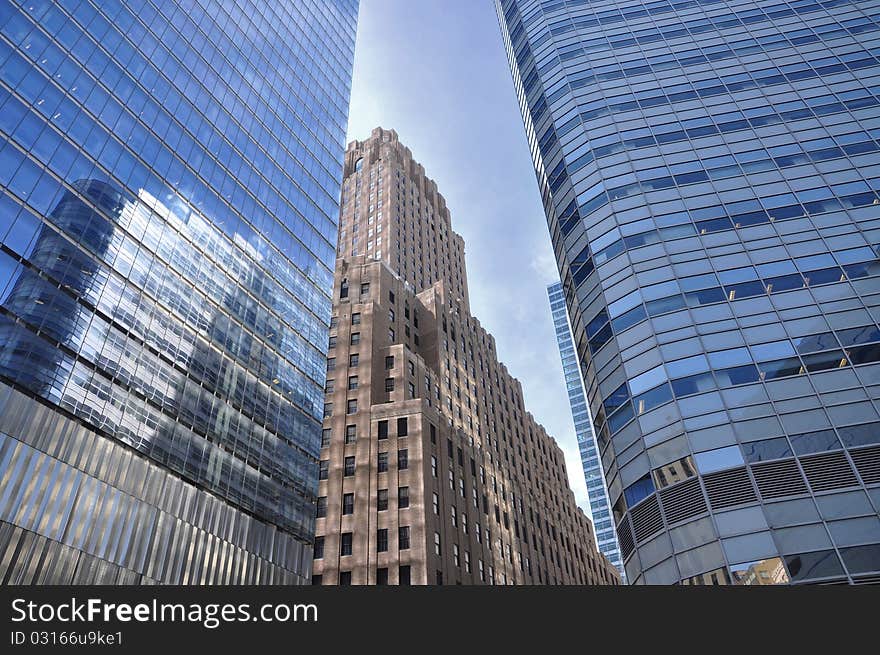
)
(436, 72)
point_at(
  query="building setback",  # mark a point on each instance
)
(168, 183)
(709, 172)
(600, 509)
(432, 472)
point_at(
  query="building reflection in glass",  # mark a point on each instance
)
(153, 327)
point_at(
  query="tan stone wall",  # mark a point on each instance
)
(516, 520)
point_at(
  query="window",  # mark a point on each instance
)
(391, 334)
(404, 575)
(347, 504)
(403, 537)
(456, 557)
(325, 437)
(350, 434)
(324, 469)
(321, 507)
(319, 548)
(365, 288)
(389, 362)
(355, 338)
(389, 384)
(317, 580)
(353, 360)
(352, 382)
(411, 390)
(331, 363)
(352, 406)
(402, 459)
(436, 504)
(343, 289)
(454, 512)
(356, 318)
(383, 429)
(328, 410)
(345, 578)
(382, 500)
(383, 462)
(382, 540)
(382, 575)
(436, 543)
(433, 466)
(349, 466)
(412, 368)
(467, 562)
(403, 497)
(345, 544)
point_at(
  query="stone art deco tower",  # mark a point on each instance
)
(432, 471)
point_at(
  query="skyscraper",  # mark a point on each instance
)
(600, 509)
(169, 176)
(432, 471)
(709, 174)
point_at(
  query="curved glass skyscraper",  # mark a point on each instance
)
(710, 173)
(169, 183)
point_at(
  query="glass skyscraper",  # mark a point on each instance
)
(600, 509)
(710, 174)
(169, 184)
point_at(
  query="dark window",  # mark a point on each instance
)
(355, 338)
(345, 544)
(353, 360)
(403, 497)
(321, 507)
(365, 288)
(350, 433)
(402, 427)
(383, 429)
(319, 548)
(324, 469)
(349, 466)
(317, 580)
(382, 500)
(389, 384)
(403, 537)
(381, 577)
(403, 459)
(382, 540)
(343, 289)
(347, 504)
(351, 407)
(345, 578)
(404, 576)
(383, 462)
(389, 362)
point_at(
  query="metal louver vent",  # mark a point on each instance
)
(683, 501)
(829, 471)
(729, 488)
(625, 538)
(646, 518)
(776, 479)
(867, 461)
(867, 580)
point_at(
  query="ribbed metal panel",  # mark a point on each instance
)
(683, 501)
(729, 488)
(777, 479)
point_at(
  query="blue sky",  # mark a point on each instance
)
(436, 72)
